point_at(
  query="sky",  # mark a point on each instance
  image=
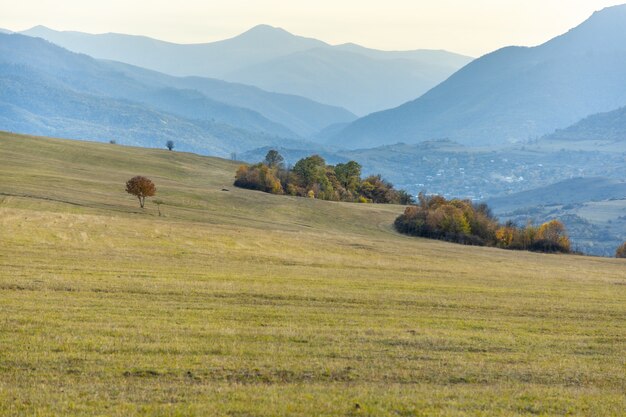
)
(469, 27)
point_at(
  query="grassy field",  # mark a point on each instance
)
(239, 303)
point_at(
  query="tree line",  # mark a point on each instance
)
(464, 222)
(312, 177)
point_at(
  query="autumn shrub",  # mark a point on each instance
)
(463, 222)
(258, 177)
(621, 251)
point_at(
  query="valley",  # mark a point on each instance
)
(244, 303)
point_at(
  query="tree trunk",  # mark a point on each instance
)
(141, 201)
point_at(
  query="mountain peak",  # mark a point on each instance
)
(39, 28)
(266, 36)
(266, 31)
(611, 16)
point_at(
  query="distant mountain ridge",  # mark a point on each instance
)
(214, 59)
(359, 79)
(513, 94)
(49, 90)
(608, 126)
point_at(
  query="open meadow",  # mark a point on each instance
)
(240, 303)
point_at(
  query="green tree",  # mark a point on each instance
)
(310, 170)
(349, 175)
(273, 159)
(377, 190)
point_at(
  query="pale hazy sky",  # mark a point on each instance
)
(473, 27)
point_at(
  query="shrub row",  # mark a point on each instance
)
(463, 222)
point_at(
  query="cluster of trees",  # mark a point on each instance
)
(621, 251)
(311, 177)
(462, 221)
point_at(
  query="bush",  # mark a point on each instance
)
(258, 177)
(462, 222)
(621, 251)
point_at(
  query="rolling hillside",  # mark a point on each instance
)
(350, 76)
(513, 94)
(244, 303)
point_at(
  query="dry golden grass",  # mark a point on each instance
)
(239, 303)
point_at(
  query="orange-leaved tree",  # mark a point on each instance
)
(140, 187)
(554, 233)
(621, 251)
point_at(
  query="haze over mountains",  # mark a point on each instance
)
(360, 79)
(49, 90)
(513, 94)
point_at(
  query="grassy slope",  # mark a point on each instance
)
(246, 304)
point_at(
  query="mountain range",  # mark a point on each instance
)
(49, 90)
(359, 79)
(513, 94)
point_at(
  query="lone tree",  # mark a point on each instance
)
(140, 187)
(621, 251)
(169, 144)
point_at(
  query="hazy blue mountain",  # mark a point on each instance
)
(226, 102)
(48, 90)
(85, 74)
(214, 59)
(301, 115)
(5, 31)
(609, 126)
(349, 77)
(359, 79)
(515, 93)
(34, 103)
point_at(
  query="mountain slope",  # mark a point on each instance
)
(303, 116)
(355, 78)
(224, 102)
(85, 74)
(359, 79)
(515, 93)
(36, 104)
(49, 90)
(609, 126)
